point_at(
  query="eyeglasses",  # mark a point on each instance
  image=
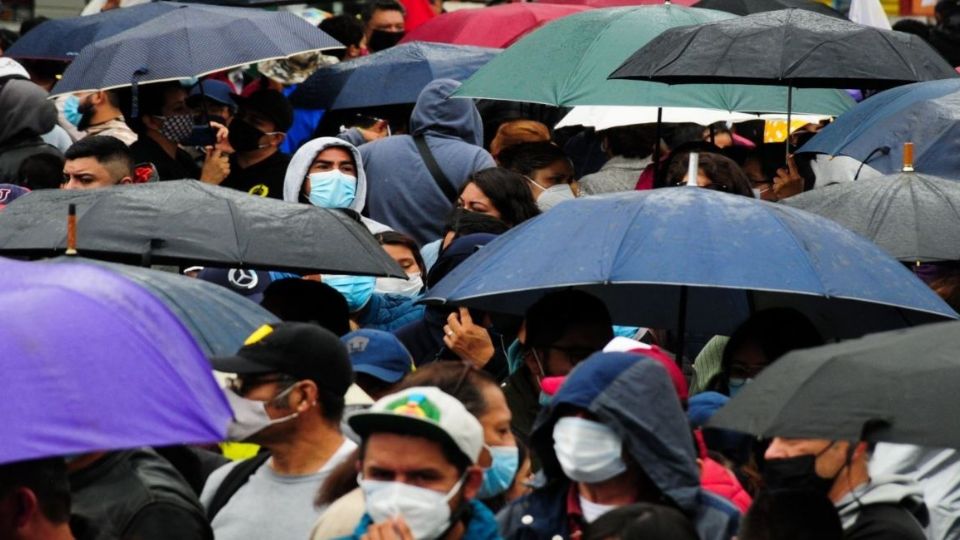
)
(243, 384)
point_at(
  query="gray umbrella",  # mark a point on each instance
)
(889, 387)
(189, 222)
(914, 217)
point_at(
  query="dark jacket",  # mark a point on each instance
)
(136, 494)
(389, 312)
(524, 402)
(633, 396)
(480, 526)
(402, 193)
(25, 115)
(888, 507)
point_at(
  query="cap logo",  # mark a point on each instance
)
(357, 344)
(243, 279)
(259, 334)
(417, 406)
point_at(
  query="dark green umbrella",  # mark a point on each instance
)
(914, 217)
(890, 387)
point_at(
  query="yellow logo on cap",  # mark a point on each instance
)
(259, 334)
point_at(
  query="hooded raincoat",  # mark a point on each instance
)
(403, 193)
(632, 395)
(889, 507)
(300, 166)
(25, 115)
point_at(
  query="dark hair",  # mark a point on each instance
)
(381, 5)
(550, 316)
(527, 158)
(108, 151)
(344, 28)
(7, 38)
(302, 300)
(331, 405)
(41, 171)
(791, 515)
(462, 222)
(642, 521)
(46, 478)
(725, 174)
(913, 26)
(394, 238)
(776, 331)
(31, 23)
(509, 193)
(459, 379)
(151, 98)
(629, 141)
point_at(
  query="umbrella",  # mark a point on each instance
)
(189, 222)
(219, 319)
(926, 114)
(190, 41)
(602, 117)
(888, 387)
(915, 217)
(617, 3)
(746, 7)
(566, 63)
(694, 259)
(389, 77)
(94, 362)
(496, 26)
(790, 47)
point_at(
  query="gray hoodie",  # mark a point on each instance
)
(25, 115)
(893, 491)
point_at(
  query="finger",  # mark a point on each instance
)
(448, 330)
(792, 166)
(465, 317)
(380, 126)
(400, 525)
(449, 342)
(455, 323)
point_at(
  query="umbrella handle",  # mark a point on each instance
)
(72, 229)
(907, 157)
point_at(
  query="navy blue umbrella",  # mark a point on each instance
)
(389, 77)
(926, 114)
(190, 41)
(696, 260)
(62, 39)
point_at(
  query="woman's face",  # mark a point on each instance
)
(404, 258)
(474, 200)
(558, 172)
(495, 421)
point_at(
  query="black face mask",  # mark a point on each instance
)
(380, 40)
(798, 473)
(244, 136)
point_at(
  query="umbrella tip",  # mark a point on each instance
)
(907, 157)
(71, 229)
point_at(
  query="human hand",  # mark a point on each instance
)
(216, 167)
(223, 135)
(377, 131)
(469, 341)
(392, 529)
(788, 182)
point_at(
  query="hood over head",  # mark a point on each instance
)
(633, 395)
(437, 113)
(25, 111)
(303, 158)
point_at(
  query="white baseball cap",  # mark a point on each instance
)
(423, 411)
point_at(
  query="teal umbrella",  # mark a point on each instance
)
(567, 63)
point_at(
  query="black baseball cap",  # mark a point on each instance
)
(269, 103)
(301, 350)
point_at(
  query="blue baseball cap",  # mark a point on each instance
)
(249, 283)
(378, 354)
(213, 90)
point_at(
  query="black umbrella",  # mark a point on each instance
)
(746, 7)
(890, 387)
(791, 47)
(189, 222)
(913, 216)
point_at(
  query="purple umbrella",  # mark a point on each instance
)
(91, 361)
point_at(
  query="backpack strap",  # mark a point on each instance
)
(441, 179)
(235, 480)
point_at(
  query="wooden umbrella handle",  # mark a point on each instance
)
(908, 157)
(72, 230)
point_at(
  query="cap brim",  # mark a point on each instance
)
(384, 374)
(239, 365)
(366, 423)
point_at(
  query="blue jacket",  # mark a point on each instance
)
(482, 524)
(402, 194)
(632, 395)
(388, 312)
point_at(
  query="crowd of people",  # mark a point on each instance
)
(365, 414)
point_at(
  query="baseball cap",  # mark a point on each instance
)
(213, 90)
(249, 283)
(423, 411)
(10, 193)
(302, 350)
(270, 104)
(378, 354)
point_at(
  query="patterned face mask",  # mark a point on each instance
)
(177, 127)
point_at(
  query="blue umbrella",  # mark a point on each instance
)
(695, 260)
(389, 77)
(62, 39)
(91, 361)
(190, 41)
(926, 114)
(218, 318)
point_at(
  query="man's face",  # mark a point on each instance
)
(831, 455)
(385, 20)
(174, 104)
(331, 159)
(271, 136)
(88, 173)
(579, 342)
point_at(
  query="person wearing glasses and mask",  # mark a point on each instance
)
(288, 397)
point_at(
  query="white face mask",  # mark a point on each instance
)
(426, 512)
(250, 416)
(404, 287)
(588, 451)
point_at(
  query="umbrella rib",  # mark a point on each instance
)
(801, 248)
(236, 232)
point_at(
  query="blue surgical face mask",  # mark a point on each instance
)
(499, 477)
(71, 110)
(736, 384)
(332, 189)
(356, 289)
